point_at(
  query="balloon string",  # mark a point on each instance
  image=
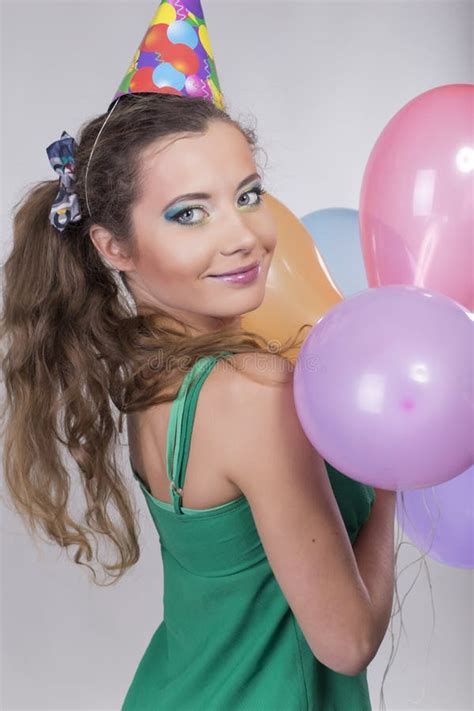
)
(423, 562)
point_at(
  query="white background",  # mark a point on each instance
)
(322, 80)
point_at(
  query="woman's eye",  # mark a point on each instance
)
(183, 217)
(257, 192)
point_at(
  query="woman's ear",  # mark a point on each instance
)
(110, 249)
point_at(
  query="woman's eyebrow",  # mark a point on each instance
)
(205, 196)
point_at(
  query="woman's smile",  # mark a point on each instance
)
(244, 277)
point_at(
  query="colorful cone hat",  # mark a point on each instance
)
(175, 56)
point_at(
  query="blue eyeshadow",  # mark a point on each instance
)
(169, 214)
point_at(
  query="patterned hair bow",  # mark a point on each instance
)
(65, 207)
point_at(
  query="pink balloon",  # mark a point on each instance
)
(383, 387)
(416, 204)
(193, 85)
(440, 520)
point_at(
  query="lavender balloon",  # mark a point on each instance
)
(440, 520)
(383, 387)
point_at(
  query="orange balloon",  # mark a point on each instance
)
(299, 287)
(155, 39)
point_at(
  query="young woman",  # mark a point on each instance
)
(278, 569)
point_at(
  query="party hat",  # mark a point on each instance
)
(175, 55)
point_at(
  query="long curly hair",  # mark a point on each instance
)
(76, 354)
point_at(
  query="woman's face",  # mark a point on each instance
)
(180, 240)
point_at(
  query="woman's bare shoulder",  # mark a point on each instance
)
(246, 390)
(265, 369)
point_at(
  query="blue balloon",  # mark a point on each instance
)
(166, 75)
(335, 231)
(181, 32)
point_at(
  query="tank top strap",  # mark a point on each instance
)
(181, 423)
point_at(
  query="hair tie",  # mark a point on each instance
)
(65, 208)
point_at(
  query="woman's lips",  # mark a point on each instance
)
(238, 270)
(240, 277)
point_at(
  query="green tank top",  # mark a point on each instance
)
(229, 640)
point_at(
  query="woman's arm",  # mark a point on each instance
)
(374, 553)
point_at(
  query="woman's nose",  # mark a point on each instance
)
(238, 233)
